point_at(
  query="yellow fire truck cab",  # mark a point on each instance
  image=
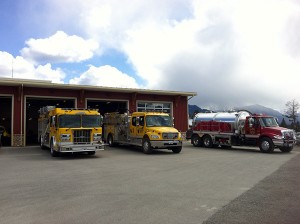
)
(150, 130)
(70, 130)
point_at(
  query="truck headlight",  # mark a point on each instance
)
(65, 137)
(154, 136)
(278, 137)
(97, 136)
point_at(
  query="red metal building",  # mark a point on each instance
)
(20, 100)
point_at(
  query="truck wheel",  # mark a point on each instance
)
(110, 140)
(266, 145)
(147, 146)
(177, 149)
(196, 141)
(52, 151)
(286, 149)
(207, 141)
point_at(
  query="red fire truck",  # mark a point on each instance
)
(241, 129)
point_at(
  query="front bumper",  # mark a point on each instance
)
(80, 147)
(284, 143)
(166, 144)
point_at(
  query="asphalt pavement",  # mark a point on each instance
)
(275, 199)
(121, 185)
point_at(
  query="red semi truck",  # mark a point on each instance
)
(241, 129)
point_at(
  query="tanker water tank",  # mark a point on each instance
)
(221, 116)
(225, 117)
(204, 116)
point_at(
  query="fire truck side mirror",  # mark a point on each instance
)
(251, 121)
(101, 120)
(53, 121)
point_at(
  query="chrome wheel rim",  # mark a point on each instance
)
(146, 146)
(206, 142)
(265, 145)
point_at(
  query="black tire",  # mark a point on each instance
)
(196, 141)
(52, 151)
(286, 149)
(110, 140)
(207, 141)
(91, 153)
(266, 145)
(177, 149)
(147, 149)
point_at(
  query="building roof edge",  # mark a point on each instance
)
(49, 84)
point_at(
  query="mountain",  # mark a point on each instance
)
(195, 109)
(258, 109)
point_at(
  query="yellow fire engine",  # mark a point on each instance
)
(70, 130)
(150, 130)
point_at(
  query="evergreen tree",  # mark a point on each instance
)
(283, 124)
(297, 126)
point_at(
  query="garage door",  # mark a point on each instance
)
(33, 105)
(6, 120)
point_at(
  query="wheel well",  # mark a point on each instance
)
(264, 136)
(195, 134)
(207, 135)
(109, 134)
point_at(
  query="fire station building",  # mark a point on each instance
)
(20, 100)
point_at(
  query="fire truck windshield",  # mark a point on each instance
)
(158, 121)
(269, 122)
(90, 121)
(77, 121)
(69, 121)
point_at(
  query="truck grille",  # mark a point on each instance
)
(170, 135)
(289, 135)
(82, 136)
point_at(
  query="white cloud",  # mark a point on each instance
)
(59, 48)
(19, 67)
(105, 76)
(109, 20)
(230, 52)
(46, 72)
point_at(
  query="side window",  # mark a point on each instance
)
(133, 121)
(142, 119)
(256, 122)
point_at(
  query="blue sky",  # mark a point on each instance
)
(232, 53)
